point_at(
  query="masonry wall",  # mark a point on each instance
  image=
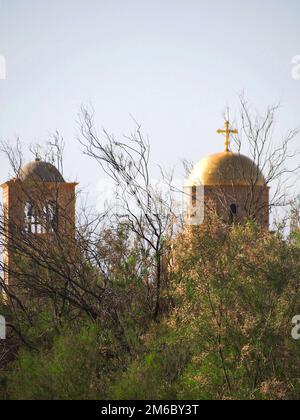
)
(15, 195)
(251, 201)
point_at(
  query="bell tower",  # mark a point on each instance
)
(37, 204)
(228, 184)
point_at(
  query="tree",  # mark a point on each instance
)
(229, 335)
(278, 161)
(144, 207)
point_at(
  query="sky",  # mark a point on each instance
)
(175, 65)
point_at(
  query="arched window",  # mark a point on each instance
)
(50, 216)
(232, 212)
(32, 219)
(40, 220)
(28, 217)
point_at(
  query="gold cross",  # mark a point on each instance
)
(227, 132)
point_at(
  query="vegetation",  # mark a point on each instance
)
(138, 306)
(225, 332)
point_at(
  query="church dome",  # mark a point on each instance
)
(39, 171)
(226, 169)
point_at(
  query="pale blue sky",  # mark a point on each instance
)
(174, 64)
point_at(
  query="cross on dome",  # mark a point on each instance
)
(227, 133)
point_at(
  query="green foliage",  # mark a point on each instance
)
(228, 336)
(71, 369)
(234, 292)
(152, 375)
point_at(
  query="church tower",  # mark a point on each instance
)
(38, 204)
(229, 184)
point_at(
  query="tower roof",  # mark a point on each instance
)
(226, 169)
(40, 171)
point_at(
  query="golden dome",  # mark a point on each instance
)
(226, 169)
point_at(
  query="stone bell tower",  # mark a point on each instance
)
(38, 204)
(229, 184)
